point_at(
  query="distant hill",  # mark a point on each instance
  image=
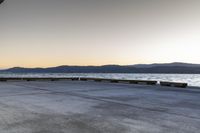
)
(174, 64)
(178, 68)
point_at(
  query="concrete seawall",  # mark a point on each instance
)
(93, 107)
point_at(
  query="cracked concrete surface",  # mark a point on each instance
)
(91, 107)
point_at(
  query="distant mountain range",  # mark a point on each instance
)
(177, 68)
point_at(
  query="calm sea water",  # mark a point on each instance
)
(191, 79)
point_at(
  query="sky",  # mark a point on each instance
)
(43, 33)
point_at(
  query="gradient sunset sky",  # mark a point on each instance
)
(43, 33)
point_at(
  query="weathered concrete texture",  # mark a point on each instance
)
(90, 107)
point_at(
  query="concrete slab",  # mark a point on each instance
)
(92, 107)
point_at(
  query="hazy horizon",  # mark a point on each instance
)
(101, 65)
(45, 33)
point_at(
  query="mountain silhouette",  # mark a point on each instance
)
(177, 68)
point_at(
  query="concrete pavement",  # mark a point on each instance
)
(92, 107)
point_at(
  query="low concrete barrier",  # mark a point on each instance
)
(6, 79)
(84, 79)
(3, 80)
(114, 81)
(146, 82)
(174, 84)
(97, 80)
